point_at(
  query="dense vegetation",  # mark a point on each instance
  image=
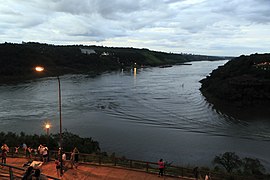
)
(229, 166)
(243, 83)
(234, 164)
(17, 60)
(85, 145)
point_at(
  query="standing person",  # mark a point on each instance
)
(24, 146)
(76, 151)
(207, 176)
(40, 151)
(5, 150)
(196, 173)
(161, 166)
(35, 153)
(57, 166)
(17, 149)
(72, 159)
(45, 154)
(28, 152)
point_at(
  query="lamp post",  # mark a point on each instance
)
(40, 69)
(47, 127)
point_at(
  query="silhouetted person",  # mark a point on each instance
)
(207, 176)
(38, 176)
(196, 173)
(28, 173)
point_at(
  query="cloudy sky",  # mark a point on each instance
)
(213, 27)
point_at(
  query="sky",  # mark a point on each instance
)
(209, 27)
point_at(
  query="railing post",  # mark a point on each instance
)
(114, 161)
(147, 166)
(99, 159)
(182, 171)
(130, 164)
(11, 174)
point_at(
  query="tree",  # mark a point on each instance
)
(252, 166)
(229, 160)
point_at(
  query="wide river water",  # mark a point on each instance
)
(147, 114)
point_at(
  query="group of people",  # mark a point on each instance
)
(74, 158)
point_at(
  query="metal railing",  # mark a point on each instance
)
(152, 167)
(18, 173)
(149, 167)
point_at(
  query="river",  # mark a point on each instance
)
(147, 114)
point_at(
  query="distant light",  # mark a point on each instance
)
(39, 68)
(47, 126)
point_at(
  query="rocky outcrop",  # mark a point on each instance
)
(243, 83)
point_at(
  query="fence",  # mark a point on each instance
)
(16, 172)
(152, 167)
(149, 167)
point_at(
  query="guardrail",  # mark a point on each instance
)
(13, 174)
(149, 167)
(152, 167)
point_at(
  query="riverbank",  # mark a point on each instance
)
(18, 60)
(241, 85)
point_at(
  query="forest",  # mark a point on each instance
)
(17, 61)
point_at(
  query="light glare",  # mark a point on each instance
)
(39, 68)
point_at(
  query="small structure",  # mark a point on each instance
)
(88, 51)
(105, 54)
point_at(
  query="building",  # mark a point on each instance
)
(88, 51)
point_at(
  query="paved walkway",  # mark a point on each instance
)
(92, 172)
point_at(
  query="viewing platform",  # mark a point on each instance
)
(84, 171)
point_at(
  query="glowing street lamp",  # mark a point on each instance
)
(47, 127)
(40, 69)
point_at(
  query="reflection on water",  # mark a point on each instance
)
(142, 114)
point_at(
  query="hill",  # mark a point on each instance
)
(241, 87)
(17, 60)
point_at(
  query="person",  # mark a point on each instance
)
(207, 176)
(45, 154)
(59, 153)
(57, 166)
(40, 151)
(72, 159)
(28, 173)
(76, 151)
(38, 176)
(24, 147)
(196, 173)
(161, 167)
(35, 153)
(28, 152)
(17, 149)
(5, 150)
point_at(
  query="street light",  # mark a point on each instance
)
(40, 69)
(47, 127)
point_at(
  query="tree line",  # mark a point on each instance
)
(70, 140)
(17, 60)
